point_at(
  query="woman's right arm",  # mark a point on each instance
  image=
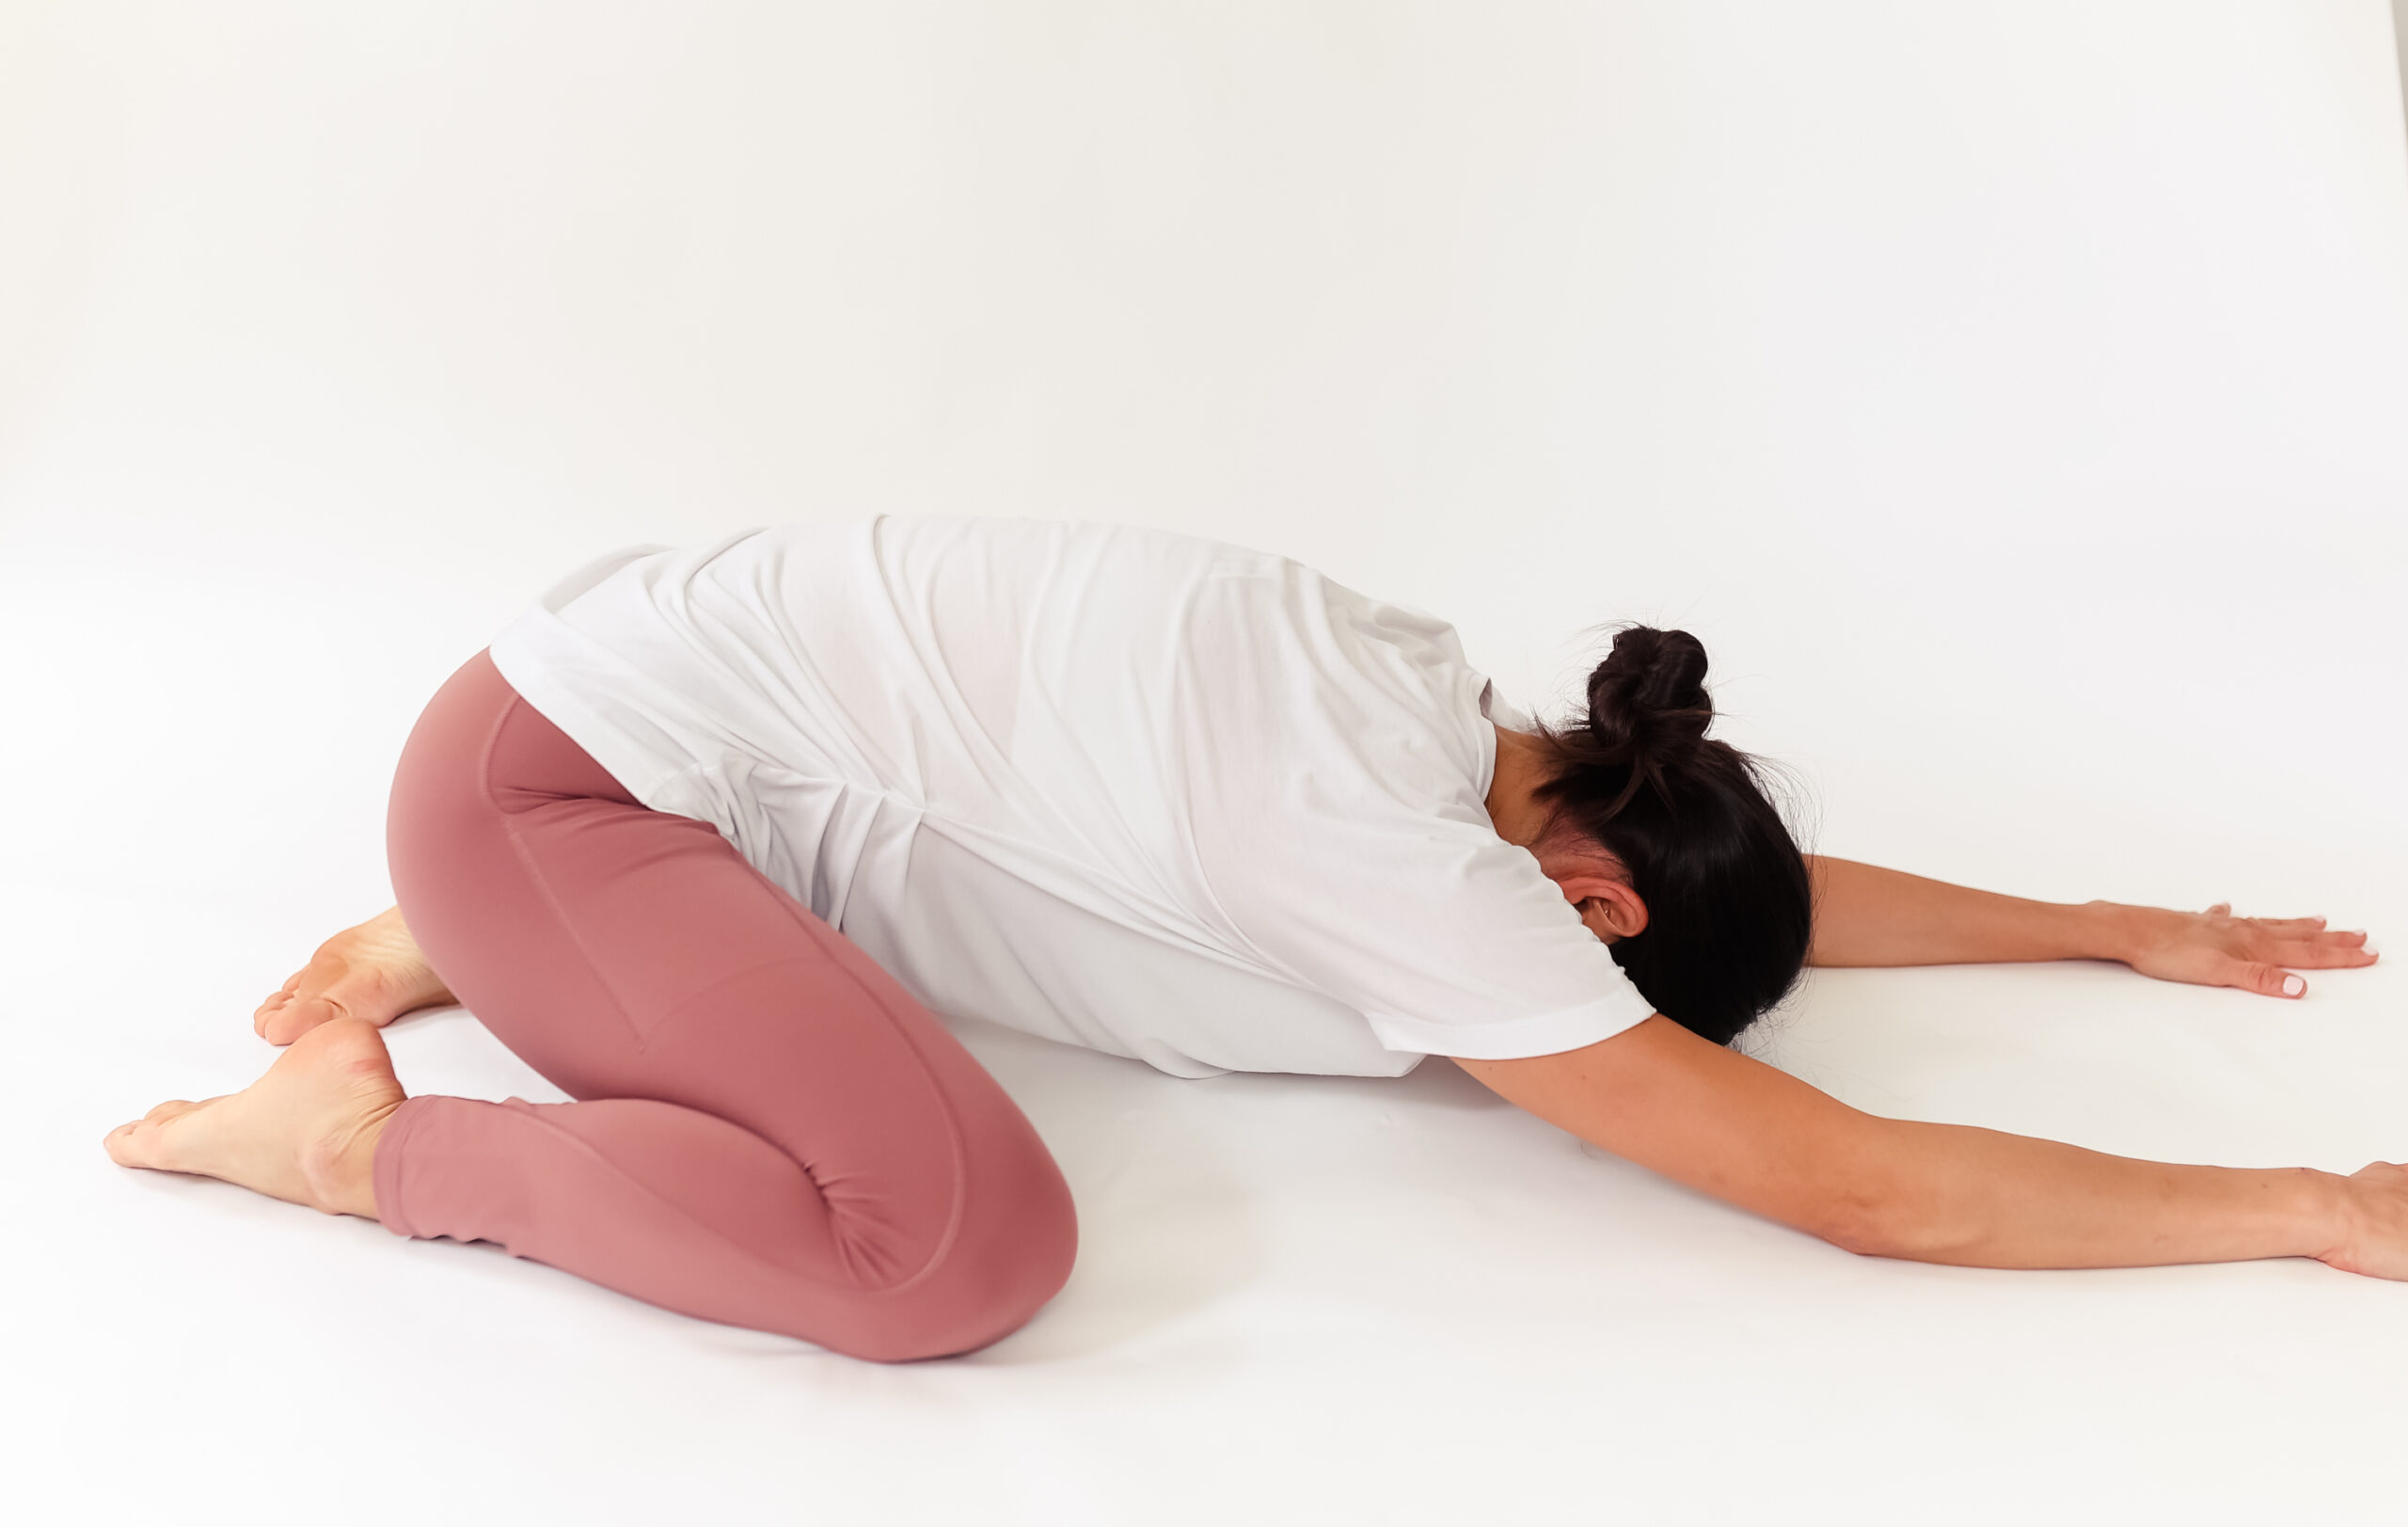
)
(1752, 1135)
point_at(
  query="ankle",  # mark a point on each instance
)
(340, 1164)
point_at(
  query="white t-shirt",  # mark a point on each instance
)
(1153, 795)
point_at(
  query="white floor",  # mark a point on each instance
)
(2016, 407)
(1302, 1298)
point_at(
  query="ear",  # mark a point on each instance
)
(1610, 908)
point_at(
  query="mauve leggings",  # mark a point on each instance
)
(769, 1131)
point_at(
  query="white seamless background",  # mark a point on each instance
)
(2014, 397)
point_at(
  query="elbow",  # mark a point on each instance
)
(1883, 1224)
(1859, 1229)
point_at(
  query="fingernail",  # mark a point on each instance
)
(2293, 986)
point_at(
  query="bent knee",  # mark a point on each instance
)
(1008, 1259)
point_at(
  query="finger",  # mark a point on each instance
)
(2289, 925)
(2316, 954)
(2222, 909)
(2352, 940)
(2265, 980)
(2313, 956)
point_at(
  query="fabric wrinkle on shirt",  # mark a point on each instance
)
(1142, 792)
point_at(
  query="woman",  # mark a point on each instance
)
(1158, 796)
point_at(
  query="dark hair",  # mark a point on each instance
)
(1729, 907)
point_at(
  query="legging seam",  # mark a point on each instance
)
(957, 1204)
(534, 872)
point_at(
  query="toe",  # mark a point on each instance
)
(146, 1141)
(134, 1144)
(296, 1018)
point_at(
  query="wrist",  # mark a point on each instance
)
(2332, 1222)
(2112, 930)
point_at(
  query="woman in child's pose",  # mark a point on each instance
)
(706, 835)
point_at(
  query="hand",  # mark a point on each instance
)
(2374, 1222)
(2216, 949)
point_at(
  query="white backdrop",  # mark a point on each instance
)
(2013, 396)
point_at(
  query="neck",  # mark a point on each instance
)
(1590, 878)
(1521, 768)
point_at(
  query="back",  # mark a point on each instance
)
(1152, 794)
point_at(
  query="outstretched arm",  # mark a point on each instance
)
(1751, 1135)
(1866, 915)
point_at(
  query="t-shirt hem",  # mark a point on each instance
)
(528, 675)
(1545, 1033)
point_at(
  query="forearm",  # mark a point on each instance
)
(1867, 915)
(1980, 1198)
(1753, 1136)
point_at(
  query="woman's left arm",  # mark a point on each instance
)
(1866, 915)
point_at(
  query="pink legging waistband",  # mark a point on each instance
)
(768, 1131)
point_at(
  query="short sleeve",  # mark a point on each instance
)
(1448, 939)
(1336, 768)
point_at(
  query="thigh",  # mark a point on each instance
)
(629, 953)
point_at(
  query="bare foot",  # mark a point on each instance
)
(305, 1133)
(374, 972)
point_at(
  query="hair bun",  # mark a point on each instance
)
(1647, 700)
